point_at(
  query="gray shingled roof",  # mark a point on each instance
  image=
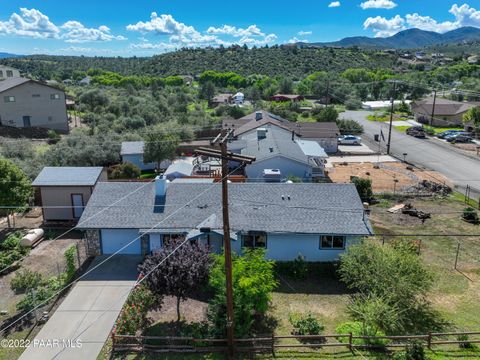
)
(9, 83)
(132, 147)
(443, 107)
(68, 176)
(312, 208)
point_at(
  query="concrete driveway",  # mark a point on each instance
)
(82, 323)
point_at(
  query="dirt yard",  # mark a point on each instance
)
(47, 258)
(388, 177)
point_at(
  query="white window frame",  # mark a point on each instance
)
(331, 239)
(55, 96)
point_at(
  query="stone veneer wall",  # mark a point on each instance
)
(92, 238)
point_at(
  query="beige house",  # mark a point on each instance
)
(28, 103)
(65, 191)
(446, 112)
(7, 72)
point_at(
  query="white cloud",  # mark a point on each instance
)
(182, 35)
(76, 32)
(252, 30)
(295, 40)
(383, 27)
(334, 4)
(464, 15)
(304, 33)
(378, 4)
(30, 23)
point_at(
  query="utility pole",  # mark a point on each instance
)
(392, 101)
(433, 106)
(226, 156)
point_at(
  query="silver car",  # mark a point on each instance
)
(349, 140)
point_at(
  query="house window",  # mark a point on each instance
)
(255, 241)
(169, 237)
(35, 95)
(9, 98)
(54, 96)
(332, 242)
(9, 73)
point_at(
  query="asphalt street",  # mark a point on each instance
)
(430, 154)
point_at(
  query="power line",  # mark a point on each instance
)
(110, 256)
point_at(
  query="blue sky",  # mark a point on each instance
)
(147, 27)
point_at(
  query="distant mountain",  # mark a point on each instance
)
(4, 55)
(411, 38)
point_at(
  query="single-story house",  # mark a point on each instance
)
(447, 112)
(382, 105)
(221, 99)
(278, 149)
(132, 152)
(65, 191)
(324, 133)
(287, 97)
(238, 98)
(28, 103)
(179, 169)
(317, 221)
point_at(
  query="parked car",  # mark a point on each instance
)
(447, 133)
(416, 131)
(349, 140)
(460, 138)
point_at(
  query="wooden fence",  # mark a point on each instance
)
(158, 344)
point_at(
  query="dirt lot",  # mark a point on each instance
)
(47, 258)
(388, 177)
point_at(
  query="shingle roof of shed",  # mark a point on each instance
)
(68, 176)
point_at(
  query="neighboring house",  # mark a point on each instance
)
(317, 221)
(447, 112)
(65, 191)
(85, 81)
(382, 105)
(7, 72)
(287, 97)
(324, 133)
(132, 152)
(28, 103)
(238, 98)
(279, 152)
(178, 170)
(221, 99)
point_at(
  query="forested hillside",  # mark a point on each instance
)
(275, 61)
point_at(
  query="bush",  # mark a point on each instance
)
(353, 104)
(364, 188)
(305, 324)
(297, 268)
(358, 329)
(126, 170)
(26, 280)
(133, 316)
(70, 262)
(465, 344)
(347, 126)
(470, 215)
(415, 351)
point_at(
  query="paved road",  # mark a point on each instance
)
(431, 154)
(87, 314)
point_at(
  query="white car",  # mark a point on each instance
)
(349, 140)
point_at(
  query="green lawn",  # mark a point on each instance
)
(438, 130)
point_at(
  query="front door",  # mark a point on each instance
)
(26, 122)
(77, 205)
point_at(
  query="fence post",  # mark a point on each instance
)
(273, 344)
(350, 336)
(456, 257)
(429, 341)
(78, 255)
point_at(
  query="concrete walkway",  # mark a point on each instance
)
(82, 323)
